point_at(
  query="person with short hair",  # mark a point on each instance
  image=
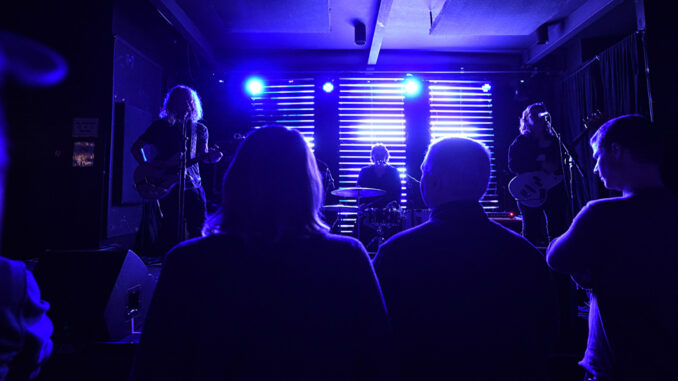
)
(270, 294)
(468, 298)
(622, 250)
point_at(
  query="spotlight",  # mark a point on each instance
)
(221, 81)
(486, 87)
(412, 86)
(328, 87)
(254, 86)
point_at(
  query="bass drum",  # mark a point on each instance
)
(382, 218)
(415, 217)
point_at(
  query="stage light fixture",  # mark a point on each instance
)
(360, 35)
(412, 86)
(543, 34)
(328, 87)
(486, 87)
(254, 86)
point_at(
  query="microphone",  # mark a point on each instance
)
(544, 114)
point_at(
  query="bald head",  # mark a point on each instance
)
(454, 169)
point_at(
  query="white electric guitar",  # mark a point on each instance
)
(531, 188)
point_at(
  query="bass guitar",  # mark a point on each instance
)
(155, 179)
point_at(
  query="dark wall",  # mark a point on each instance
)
(49, 202)
(662, 61)
(149, 57)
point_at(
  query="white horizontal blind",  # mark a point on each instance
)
(370, 111)
(464, 109)
(290, 102)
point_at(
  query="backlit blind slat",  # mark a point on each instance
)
(370, 111)
(290, 102)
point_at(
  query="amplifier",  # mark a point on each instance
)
(415, 217)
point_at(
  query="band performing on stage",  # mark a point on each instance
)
(534, 157)
(355, 190)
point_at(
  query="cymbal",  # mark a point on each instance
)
(339, 208)
(358, 192)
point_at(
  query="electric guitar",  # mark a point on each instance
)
(531, 188)
(155, 179)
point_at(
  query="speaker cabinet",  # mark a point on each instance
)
(94, 295)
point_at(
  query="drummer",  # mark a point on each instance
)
(380, 175)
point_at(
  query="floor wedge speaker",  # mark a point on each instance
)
(94, 295)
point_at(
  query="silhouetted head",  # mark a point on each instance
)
(273, 186)
(181, 101)
(625, 148)
(531, 122)
(379, 154)
(454, 169)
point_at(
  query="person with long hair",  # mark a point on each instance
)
(537, 151)
(269, 294)
(181, 108)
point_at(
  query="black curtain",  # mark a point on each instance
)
(582, 95)
(613, 82)
(623, 78)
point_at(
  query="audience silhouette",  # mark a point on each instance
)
(269, 294)
(468, 299)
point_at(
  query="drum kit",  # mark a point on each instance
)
(380, 219)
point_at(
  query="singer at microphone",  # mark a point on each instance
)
(536, 152)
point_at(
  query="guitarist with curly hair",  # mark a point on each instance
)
(534, 157)
(157, 179)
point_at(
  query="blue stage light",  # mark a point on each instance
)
(254, 86)
(486, 87)
(328, 87)
(412, 86)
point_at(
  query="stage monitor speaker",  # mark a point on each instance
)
(94, 295)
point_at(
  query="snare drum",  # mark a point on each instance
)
(382, 218)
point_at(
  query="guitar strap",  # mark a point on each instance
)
(192, 141)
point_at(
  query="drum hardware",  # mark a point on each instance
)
(380, 219)
(358, 192)
(339, 208)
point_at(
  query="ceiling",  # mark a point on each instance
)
(218, 28)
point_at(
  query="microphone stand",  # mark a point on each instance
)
(182, 182)
(565, 154)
